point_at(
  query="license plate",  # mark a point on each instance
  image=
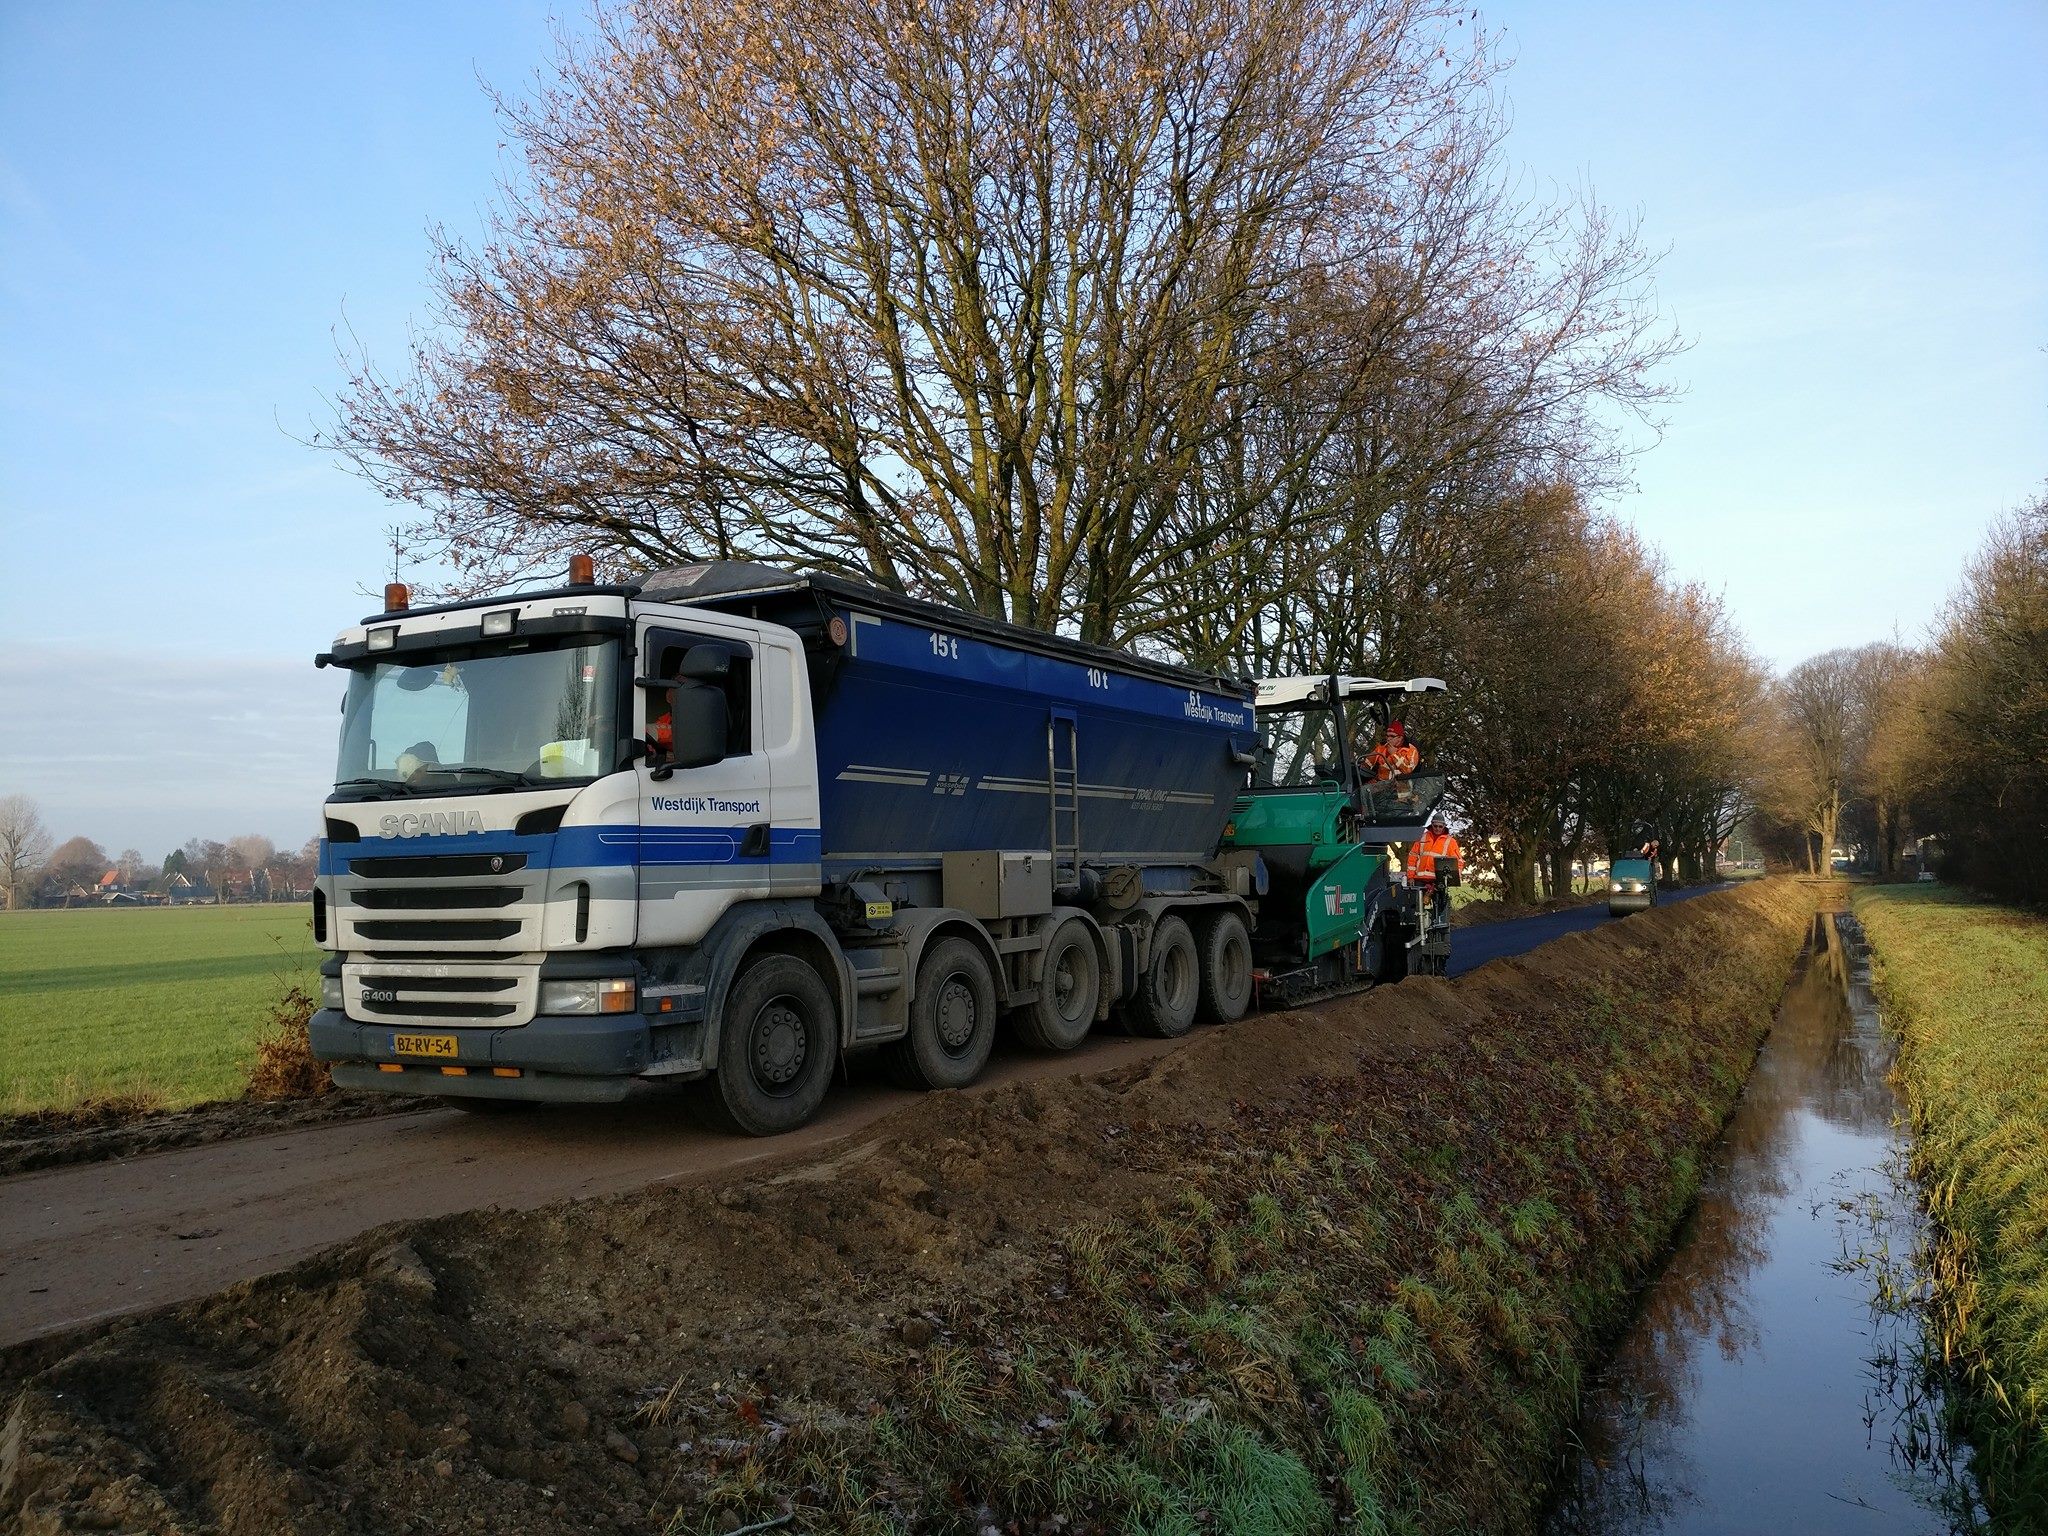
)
(423, 1045)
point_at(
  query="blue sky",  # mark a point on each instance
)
(1854, 198)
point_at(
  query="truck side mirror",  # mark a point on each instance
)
(696, 723)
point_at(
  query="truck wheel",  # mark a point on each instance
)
(777, 1048)
(1171, 988)
(1068, 992)
(1226, 949)
(952, 1019)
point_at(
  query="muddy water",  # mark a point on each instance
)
(1770, 1380)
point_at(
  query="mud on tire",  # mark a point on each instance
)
(1069, 990)
(1226, 966)
(1169, 992)
(952, 1019)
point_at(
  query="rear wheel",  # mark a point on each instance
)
(1226, 953)
(1171, 989)
(952, 1018)
(1068, 991)
(777, 1048)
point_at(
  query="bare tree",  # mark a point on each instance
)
(994, 299)
(24, 844)
(77, 862)
(251, 851)
(1818, 714)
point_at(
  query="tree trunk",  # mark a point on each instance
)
(1517, 871)
(1560, 872)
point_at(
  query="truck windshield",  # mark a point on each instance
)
(480, 719)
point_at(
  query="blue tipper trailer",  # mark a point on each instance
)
(730, 823)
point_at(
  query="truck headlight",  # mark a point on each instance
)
(331, 995)
(587, 994)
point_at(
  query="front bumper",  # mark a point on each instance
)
(584, 1058)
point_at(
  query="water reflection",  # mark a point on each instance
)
(1762, 1387)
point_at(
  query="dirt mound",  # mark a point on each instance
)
(820, 1339)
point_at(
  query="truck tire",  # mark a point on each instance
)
(1068, 992)
(777, 1048)
(1167, 995)
(952, 1019)
(1226, 954)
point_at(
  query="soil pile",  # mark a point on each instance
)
(1340, 1264)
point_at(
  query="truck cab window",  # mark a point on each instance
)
(668, 648)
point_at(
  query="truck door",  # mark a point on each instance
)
(705, 840)
(783, 708)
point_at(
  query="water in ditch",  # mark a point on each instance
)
(1772, 1378)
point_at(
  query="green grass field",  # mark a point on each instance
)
(160, 1001)
(1965, 983)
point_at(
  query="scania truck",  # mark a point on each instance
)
(728, 823)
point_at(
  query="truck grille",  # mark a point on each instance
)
(454, 991)
(456, 903)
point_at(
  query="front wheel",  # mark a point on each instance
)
(952, 1018)
(776, 1049)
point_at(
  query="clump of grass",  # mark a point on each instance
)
(285, 1067)
(1965, 985)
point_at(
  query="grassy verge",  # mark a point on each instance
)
(1965, 984)
(1339, 1269)
(164, 1005)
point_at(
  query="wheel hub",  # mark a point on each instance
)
(780, 1044)
(955, 1015)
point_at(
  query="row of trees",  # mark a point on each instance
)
(1217, 328)
(1885, 747)
(37, 869)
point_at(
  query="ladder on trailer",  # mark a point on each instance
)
(1063, 782)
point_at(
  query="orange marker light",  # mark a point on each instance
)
(582, 571)
(396, 598)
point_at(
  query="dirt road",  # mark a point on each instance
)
(82, 1243)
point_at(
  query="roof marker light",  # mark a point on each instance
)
(396, 598)
(582, 571)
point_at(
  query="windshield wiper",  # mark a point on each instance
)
(500, 775)
(374, 783)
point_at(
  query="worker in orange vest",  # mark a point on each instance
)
(1394, 757)
(1434, 844)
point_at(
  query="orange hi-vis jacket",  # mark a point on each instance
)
(1388, 761)
(1422, 856)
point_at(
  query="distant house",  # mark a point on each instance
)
(113, 891)
(183, 890)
